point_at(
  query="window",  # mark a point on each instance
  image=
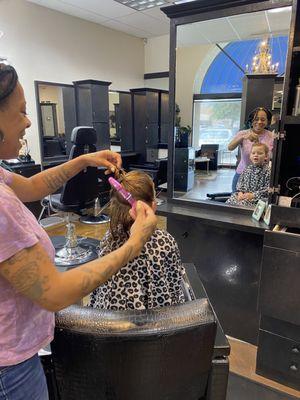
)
(216, 122)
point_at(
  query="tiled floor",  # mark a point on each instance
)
(213, 182)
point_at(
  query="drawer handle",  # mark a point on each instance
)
(294, 367)
(295, 350)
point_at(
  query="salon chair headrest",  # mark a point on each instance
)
(84, 135)
(132, 322)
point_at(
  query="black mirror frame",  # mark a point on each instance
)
(196, 11)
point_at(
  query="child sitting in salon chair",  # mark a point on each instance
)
(254, 181)
(152, 279)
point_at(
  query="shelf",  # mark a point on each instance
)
(296, 49)
(292, 119)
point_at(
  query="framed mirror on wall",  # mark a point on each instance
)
(224, 63)
(57, 118)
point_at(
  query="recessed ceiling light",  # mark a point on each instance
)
(141, 5)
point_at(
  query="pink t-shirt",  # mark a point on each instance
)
(266, 137)
(24, 326)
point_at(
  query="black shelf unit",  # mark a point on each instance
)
(150, 119)
(92, 108)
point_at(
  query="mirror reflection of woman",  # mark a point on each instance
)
(258, 121)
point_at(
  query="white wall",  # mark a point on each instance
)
(188, 62)
(157, 60)
(46, 45)
(157, 54)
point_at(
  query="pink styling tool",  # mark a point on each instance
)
(119, 188)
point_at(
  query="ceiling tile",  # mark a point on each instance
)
(217, 31)
(57, 5)
(118, 26)
(107, 8)
(145, 22)
(280, 21)
(157, 13)
(250, 25)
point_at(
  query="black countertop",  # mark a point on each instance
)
(216, 215)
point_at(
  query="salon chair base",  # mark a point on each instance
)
(95, 220)
(87, 250)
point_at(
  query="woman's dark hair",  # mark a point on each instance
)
(8, 82)
(254, 113)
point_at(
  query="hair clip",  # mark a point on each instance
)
(119, 188)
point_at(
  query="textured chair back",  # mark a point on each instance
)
(82, 189)
(158, 354)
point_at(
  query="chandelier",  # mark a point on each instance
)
(262, 60)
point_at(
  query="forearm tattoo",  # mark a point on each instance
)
(111, 263)
(55, 179)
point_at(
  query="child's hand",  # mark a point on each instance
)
(241, 196)
(249, 196)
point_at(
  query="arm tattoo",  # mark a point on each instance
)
(112, 263)
(55, 179)
(27, 279)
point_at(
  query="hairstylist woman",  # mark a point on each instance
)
(31, 288)
(258, 120)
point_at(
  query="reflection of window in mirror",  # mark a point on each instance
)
(114, 125)
(219, 64)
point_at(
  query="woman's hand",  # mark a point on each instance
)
(143, 226)
(252, 136)
(104, 158)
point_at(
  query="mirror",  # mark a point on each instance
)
(114, 123)
(224, 69)
(57, 118)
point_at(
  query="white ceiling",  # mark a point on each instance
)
(110, 13)
(237, 27)
(153, 22)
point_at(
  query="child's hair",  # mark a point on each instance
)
(141, 187)
(263, 146)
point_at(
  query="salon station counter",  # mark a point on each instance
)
(225, 245)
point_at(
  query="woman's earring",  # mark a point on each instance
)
(2, 140)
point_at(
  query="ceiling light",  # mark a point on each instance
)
(280, 9)
(141, 5)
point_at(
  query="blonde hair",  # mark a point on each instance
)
(141, 187)
(262, 145)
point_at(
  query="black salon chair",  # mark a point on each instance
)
(53, 146)
(79, 194)
(210, 151)
(157, 354)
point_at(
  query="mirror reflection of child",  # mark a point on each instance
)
(254, 181)
(152, 279)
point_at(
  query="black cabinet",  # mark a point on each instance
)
(125, 123)
(92, 108)
(184, 168)
(164, 117)
(28, 169)
(150, 119)
(278, 355)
